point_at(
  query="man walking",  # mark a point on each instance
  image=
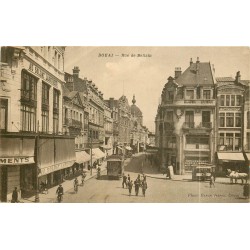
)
(144, 187)
(130, 185)
(124, 180)
(137, 185)
(211, 181)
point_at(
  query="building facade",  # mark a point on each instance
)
(138, 132)
(95, 118)
(31, 119)
(185, 118)
(232, 126)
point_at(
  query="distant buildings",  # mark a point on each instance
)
(200, 120)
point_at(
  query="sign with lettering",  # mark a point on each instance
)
(53, 168)
(17, 160)
(42, 74)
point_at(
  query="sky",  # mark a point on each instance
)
(145, 77)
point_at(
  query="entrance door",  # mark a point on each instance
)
(4, 181)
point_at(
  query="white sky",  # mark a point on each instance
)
(146, 76)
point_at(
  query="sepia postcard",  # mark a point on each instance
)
(124, 124)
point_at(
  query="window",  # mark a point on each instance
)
(237, 119)
(238, 100)
(222, 119)
(45, 94)
(227, 100)
(189, 119)
(222, 140)
(237, 142)
(28, 118)
(206, 94)
(28, 87)
(170, 116)
(55, 111)
(45, 121)
(189, 94)
(232, 100)
(229, 119)
(222, 100)
(170, 95)
(28, 102)
(229, 141)
(3, 114)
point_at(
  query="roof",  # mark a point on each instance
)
(198, 73)
(78, 84)
(135, 110)
(225, 79)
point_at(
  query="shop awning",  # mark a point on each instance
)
(82, 156)
(97, 154)
(229, 156)
(248, 156)
(128, 148)
(107, 147)
(17, 151)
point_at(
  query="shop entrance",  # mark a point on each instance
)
(4, 181)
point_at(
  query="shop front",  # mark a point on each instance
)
(17, 166)
(230, 160)
(97, 156)
(193, 159)
(55, 159)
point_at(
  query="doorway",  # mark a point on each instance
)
(4, 182)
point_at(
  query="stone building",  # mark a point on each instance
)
(232, 128)
(95, 114)
(185, 118)
(31, 119)
(138, 132)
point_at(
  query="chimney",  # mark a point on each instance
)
(238, 77)
(198, 60)
(191, 61)
(177, 72)
(76, 71)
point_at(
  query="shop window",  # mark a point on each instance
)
(237, 142)
(55, 123)
(45, 121)
(45, 94)
(28, 88)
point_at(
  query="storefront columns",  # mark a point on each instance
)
(51, 110)
(39, 105)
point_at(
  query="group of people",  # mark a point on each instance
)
(140, 182)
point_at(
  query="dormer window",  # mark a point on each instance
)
(190, 94)
(170, 95)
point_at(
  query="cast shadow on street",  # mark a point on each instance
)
(107, 178)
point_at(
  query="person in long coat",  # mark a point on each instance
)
(144, 187)
(130, 185)
(137, 186)
(14, 196)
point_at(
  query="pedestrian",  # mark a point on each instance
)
(211, 181)
(59, 193)
(144, 187)
(124, 180)
(14, 196)
(76, 183)
(137, 186)
(128, 177)
(130, 185)
(246, 191)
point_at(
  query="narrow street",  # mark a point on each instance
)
(159, 189)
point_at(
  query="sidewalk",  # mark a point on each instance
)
(67, 185)
(185, 178)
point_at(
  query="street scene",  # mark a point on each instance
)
(124, 125)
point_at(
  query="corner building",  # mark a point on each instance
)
(32, 145)
(186, 117)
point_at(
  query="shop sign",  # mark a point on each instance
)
(42, 74)
(56, 167)
(16, 160)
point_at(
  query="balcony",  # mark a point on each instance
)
(189, 102)
(73, 123)
(205, 125)
(187, 125)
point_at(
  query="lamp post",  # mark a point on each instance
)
(37, 198)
